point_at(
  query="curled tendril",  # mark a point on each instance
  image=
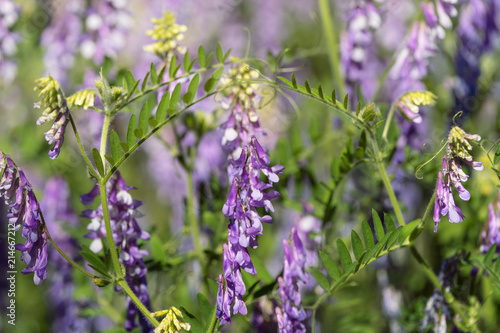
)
(458, 114)
(424, 164)
(268, 94)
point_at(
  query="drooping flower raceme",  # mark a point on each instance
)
(491, 232)
(24, 211)
(56, 109)
(126, 234)
(457, 150)
(291, 315)
(245, 224)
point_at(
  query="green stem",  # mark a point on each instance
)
(61, 252)
(79, 141)
(388, 121)
(104, 138)
(138, 303)
(213, 322)
(332, 42)
(109, 232)
(387, 182)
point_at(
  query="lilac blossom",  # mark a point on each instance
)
(24, 211)
(58, 212)
(457, 150)
(245, 223)
(126, 234)
(9, 15)
(358, 52)
(56, 108)
(291, 315)
(491, 234)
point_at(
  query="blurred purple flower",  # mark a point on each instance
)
(126, 233)
(9, 15)
(358, 52)
(291, 315)
(491, 233)
(452, 173)
(24, 211)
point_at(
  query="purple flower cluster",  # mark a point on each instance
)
(291, 315)
(24, 211)
(358, 47)
(245, 223)
(457, 149)
(9, 14)
(126, 233)
(56, 108)
(491, 233)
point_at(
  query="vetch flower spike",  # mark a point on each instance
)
(457, 150)
(409, 104)
(56, 109)
(24, 211)
(170, 324)
(491, 232)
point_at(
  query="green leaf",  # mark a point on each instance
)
(98, 161)
(407, 229)
(172, 67)
(94, 260)
(129, 78)
(114, 142)
(294, 81)
(189, 96)
(161, 112)
(389, 223)
(308, 88)
(162, 72)
(382, 244)
(330, 265)
(100, 270)
(214, 79)
(345, 256)
(334, 97)
(497, 155)
(133, 88)
(157, 249)
(109, 159)
(227, 54)
(320, 278)
(367, 235)
(320, 92)
(138, 133)
(394, 234)
(187, 62)
(154, 76)
(132, 125)
(144, 118)
(497, 266)
(125, 147)
(346, 101)
(196, 326)
(202, 57)
(490, 255)
(359, 152)
(144, 82)
(379, 228)
(357, 245)
(205, 307)
(262, 271)
(219, 53)
(174, 99)
(285, 80)
(415, 233)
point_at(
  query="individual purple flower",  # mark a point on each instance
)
(358, 52)
(126, 234)
(9, 15)
(55, 108)
(247, 193)
(24, 211)
(491, 232)
(291, 315)
(457, 150)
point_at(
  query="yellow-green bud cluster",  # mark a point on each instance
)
(52, 99)
(458, 143)
(369, 113)
(240, 86)
(410, 102)
(167, 34)
(171, 324)
(83, 99)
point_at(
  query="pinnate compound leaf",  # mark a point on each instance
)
(189, 96)
(368, 235)
(161, 112)
(174, 99)
(132, 125)
(407, 230)
(345, 256)
(379, 228)
(357, 245)
(213, 80)
(114, 142)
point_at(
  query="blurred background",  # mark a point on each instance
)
(384, 48)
